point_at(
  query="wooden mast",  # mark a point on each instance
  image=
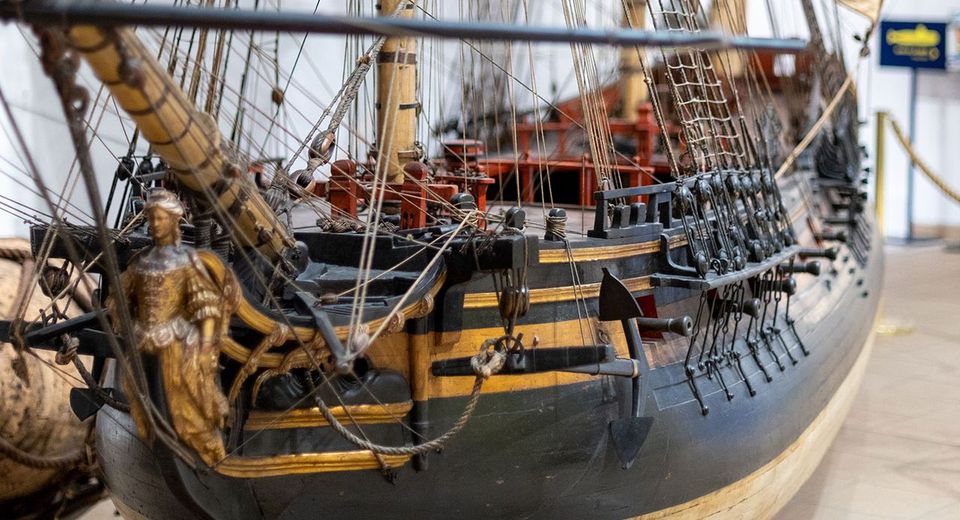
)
(633, 89)
(397, 104)
(185, 138)
(730, 17)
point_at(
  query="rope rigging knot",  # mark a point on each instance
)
(323, 145)
(490, 359)
(556, 221)
(68, 350)
(55, 280)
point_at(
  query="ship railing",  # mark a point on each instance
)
(731, 230)
(615, 219)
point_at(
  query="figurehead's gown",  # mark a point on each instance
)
(170, 294)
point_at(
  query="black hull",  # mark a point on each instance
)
(546, 453)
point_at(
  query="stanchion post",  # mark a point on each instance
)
(912, 136)
(879, 165)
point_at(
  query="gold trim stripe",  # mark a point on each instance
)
(553, 294)
(591, 254)
(305, 463)
(387, 413)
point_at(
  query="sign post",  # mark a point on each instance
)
(916, 45)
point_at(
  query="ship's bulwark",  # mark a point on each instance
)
(545, 453)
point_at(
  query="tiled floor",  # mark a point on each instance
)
(898, 454)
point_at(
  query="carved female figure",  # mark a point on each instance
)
(179, 315)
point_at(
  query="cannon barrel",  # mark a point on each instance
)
(682, 325)
(751, 307)
(722, 307)
(829, 253)
(833, 236)
(811, 267)
(786, 286)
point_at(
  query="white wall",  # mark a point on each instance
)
(938, 117)
(17, 85)
(938, 125)
(37, 112)
(888, 89)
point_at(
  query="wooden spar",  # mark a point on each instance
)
(868, 8)
(633, 87)
(185, 138)
(397, 104)
(730, 17)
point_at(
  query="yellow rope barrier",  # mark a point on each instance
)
(934, 178)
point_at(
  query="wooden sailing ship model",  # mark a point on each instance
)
(401, 338)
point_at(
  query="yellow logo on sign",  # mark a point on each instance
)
(919, 36)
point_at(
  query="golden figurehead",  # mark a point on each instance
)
(179, 314)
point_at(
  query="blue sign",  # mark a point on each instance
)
(918, 45)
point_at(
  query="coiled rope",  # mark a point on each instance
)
(556, 225)
(18, 455)
(20, 252)
(934, 178)
(15, 252)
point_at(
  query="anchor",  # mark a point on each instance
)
(616, 303)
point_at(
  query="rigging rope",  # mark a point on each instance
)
(426, 447)
(815, 129)
(556, 225)
(322, 145)
(288, 281)
(485, 364)
(92, 383)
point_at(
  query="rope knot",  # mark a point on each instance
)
(556, 222)
(68, 351)
(55, 281)
(489, 360)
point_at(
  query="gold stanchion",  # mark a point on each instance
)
(878, 165)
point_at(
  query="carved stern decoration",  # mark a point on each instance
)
(180, 314)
